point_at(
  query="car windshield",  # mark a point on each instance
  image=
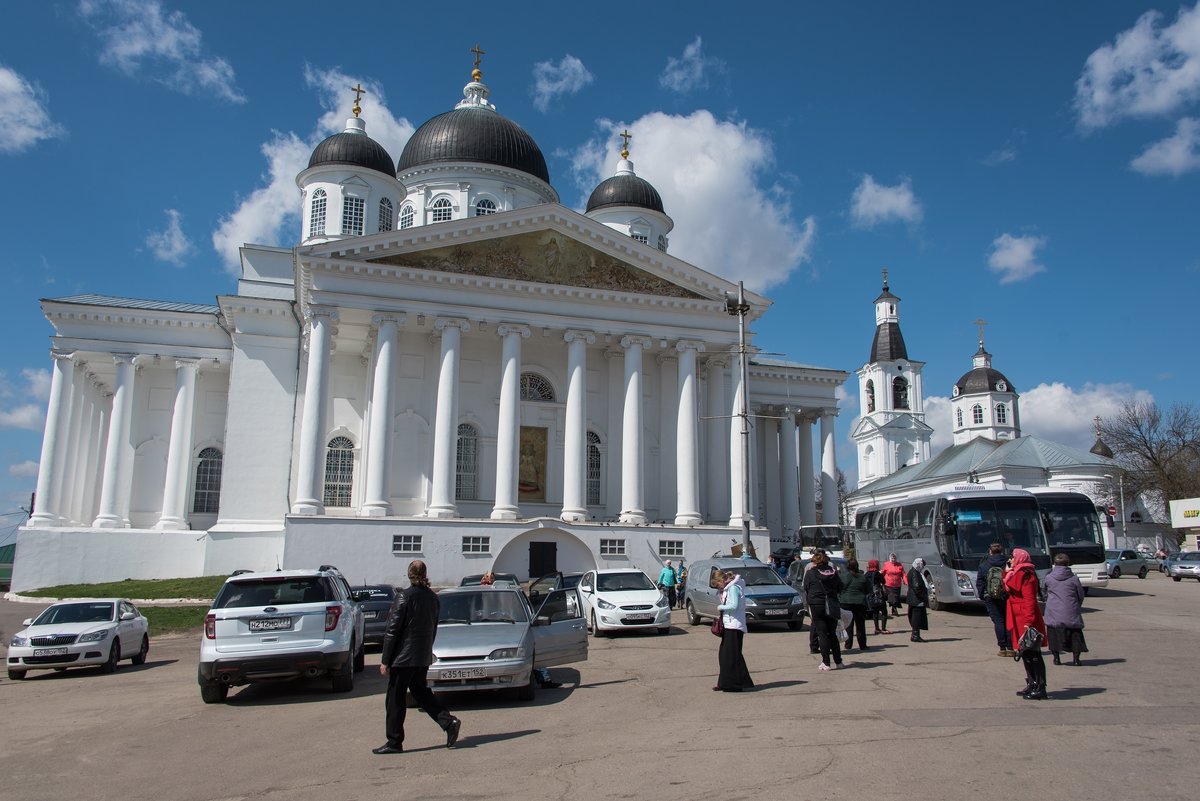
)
(617, 582)
(378, 593)
(500, 579)
(274, 591)
(95, 612)
(484, 606)
(1190, 557)
(758, 576)
(571, 580)
(1112, 554)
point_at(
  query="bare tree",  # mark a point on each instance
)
(842, 492)
(1160, 451)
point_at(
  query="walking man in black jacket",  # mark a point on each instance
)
(407, 655)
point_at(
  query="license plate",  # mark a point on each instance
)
(271, 624)
(370, 614)
(49, 651)
(638, 618)
(462, 673)
(776, 611)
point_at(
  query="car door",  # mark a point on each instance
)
(706, 596)
(559, 633)
(587, 592)
(128, 629)
(540, 587)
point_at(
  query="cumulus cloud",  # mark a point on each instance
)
(26, 469)
(170, 244)
(551, 80)
(23, 118)
(1064, 414)
(140, 38)
(265, 215)
(690, 71)
(874, 203)
(37, 383)
(938, 414)
(697, 163)
(29, 416)
(1148, 70)
(25, 400)
(1174, 155)
(1015, 257)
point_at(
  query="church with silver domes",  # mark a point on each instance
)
(449, 365)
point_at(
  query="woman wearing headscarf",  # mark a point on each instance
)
(821, 586)
(917, 600)
(734, 676)
(1064, 611)
(893, 577)
(1021, 582)
(879, 614)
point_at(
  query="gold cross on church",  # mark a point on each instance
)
(626, 135)
(981, 323)
(478, 52)
(358, 93)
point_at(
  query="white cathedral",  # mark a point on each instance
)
(450, 365)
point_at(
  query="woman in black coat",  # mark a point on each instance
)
(822, 585)
(918, 600)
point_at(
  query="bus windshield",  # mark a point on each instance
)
(828, 537)
(1013, 522)
(1072, 523)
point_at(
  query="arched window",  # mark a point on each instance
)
(593, 469)
(977, 414)
(466, 480)
(645, 240)
(870, 396)
(958, 417)
(208, 482)
(406, 217)
(442, 210)
(385, 214)
(316, 216)
(339, 471)
(536, 388)
(662, 243)
(899, 393)
(485, 206)
(352, 216)
(1001, 414)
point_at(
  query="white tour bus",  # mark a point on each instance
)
(951, 531)
(1072, 525)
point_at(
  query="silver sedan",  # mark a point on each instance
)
(1183, 565)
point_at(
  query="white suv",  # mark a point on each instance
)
(289, 624)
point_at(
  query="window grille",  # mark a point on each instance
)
(485, 206)
(442, 210)
(406, 543)
(1001, 414)
(316, 217)
(339, 471)
(466, 479)
(208, 482)
(977, 414)
(476, 544)
(385, 214)
(594, 470)
(536, 388)
(406, 217)
(352, 215)
(670, 549)
(612, 547)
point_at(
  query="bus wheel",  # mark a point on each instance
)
(933, 601)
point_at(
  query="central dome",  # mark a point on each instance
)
(478, 135)
(625, 190)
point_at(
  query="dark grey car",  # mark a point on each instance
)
(376, 605)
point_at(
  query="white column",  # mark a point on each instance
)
(508, 426)
(770, 467)
(379, 442)
(717, 439)
(736, 510)
(66, 489)
(99, 449)
(632, 459)
(179, 450)
(83, 475)
(789, 486)
(57, 419)
(310, 472)
(445, 423)
(829, 496)
(808, 490)
(575, 444)
(687, 462)
(115, 463)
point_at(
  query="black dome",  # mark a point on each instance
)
(625, 190)
(983, 379)
(353, 148)
(888, 345)
(1102, 449)
(474, 134)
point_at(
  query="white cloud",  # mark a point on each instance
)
(697, 163)
(170, 244)
(26, 469)
(1002, 156)
(1015, 257)
(263, 215)
(938, 413)
(689, 71)
(29, 416)
(30, 395)
(1150, 69)
(37, 383)
(551, 80)
(1063, 414)
(23, 118)
(1174, 155)
(141, 38)
(874, 203)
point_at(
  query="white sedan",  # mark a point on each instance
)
(619, 600)
(80, 634)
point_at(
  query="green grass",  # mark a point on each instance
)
(201, 587)
(165, 619)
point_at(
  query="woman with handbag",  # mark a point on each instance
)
(1025, 624)
(731, 614)
(822, 585)
(856, 585)
(877, 605)
(917, 600)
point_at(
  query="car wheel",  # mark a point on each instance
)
(140, 657)
(360, 659)
(16, 675)
(596, 627)
(527, 692)
(1142, 573)
(343, 680)
(114, 655)
(1180, 578)
(693, 618)
(1116, 573)
(213, 692)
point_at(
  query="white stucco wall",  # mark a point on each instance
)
(48, 557)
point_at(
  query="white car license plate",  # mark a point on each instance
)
(638, 618)
(776, 611)
(271, 624)
(370, 614)
(462, 673)
(49, 651)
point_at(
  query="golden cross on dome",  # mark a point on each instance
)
(358, 93)
(885, 278)
(477, 73)
(981, 323)
(626, 135)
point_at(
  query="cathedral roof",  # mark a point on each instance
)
(625, 189)
(354, 148)
(889, 343)
(982, 380)
(477, 134)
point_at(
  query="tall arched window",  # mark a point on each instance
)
(339, 471)
(870, 396)
(662, 243)
(406, 217)
(536, 388)
(594, 469)
(977, 414)
(206, 499)
(958, 417)
(466, 480)
(899, 393)
(385, 214)
(485, 206)
(352, 216)
(442, 210)
(316, 215)
(1001, 414)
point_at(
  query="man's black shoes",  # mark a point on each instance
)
(388, 748)
(452, 732)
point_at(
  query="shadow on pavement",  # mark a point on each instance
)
(775, 685)
(304, 691)
(1074, 693)
(1098, 662)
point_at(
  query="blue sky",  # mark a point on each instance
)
(1035, 165)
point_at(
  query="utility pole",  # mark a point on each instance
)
(739, 307)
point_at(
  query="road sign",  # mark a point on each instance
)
(1112, 510)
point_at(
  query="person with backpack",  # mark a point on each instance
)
(989, 586)
(877, 606)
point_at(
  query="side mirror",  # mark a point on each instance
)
(128, 616)
(585, 587)
(541, 620)
(27, 621)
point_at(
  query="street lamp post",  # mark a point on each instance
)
(737, 306)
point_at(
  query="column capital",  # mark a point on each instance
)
(665, 356)
(62, 355)
(183, 363)
(125, 358)
(399, 318)
(323, 312)
(461, 323)
(635, 341)
(689, 344)
(572, 334)
(717, 360)
(516, 329)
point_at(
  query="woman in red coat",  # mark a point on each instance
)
(1021, 582)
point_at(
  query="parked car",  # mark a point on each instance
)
(281, 626)
(490, 638)
(623, 599)
(1121, 562)
(500, 580)
(768, 598)
(376, 604)
(1183, 565)
(80, 634)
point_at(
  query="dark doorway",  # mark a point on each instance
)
(543, 558)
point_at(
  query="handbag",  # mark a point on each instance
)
(833, 608)
(1031, 641)
(875, 600)
(718, 626)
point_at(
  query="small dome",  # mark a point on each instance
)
(625, 190)
(888, 345)
(1101, 449)
(981, 380)
(354, 148)
(475, 134)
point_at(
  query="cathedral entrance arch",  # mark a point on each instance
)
(539, 551)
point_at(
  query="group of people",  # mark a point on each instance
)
(673, 582)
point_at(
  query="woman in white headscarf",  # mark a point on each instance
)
(917, 600)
